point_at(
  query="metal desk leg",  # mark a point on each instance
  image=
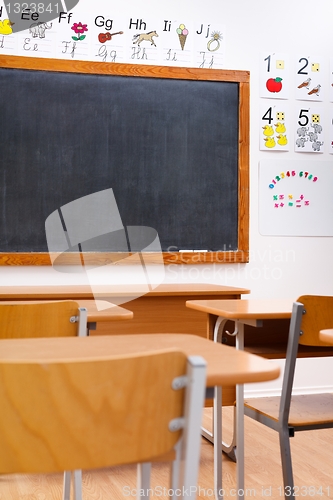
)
(217, 417)
(217, 433)
(240, 421)
(216, 436)
(240, 440)
(229, 449)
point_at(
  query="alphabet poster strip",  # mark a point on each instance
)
(73, 36)
(331, 81)
(330, 137)
(38, 39)
(209, 46)
(295, 198)
(8, 43)
(108, 39)
(176, 40)
(102, 36)
(144, 44)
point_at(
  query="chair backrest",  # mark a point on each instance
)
(83, 414)
(318, 315)
(310, 314)
(42, 319)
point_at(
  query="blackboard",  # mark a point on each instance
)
(172, 143)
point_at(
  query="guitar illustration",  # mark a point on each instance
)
(104, 37)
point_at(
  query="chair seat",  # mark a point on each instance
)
(304, 410)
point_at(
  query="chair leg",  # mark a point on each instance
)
(77, 482)
(287, 468)
(217, 430)
(175, 467)
(143, 480)
(66, 493)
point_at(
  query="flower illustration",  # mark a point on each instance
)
(79, 29)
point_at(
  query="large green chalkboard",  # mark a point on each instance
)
(170, 143)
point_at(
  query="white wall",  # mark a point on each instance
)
(279, 266)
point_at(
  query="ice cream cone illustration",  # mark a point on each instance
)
(182, 34)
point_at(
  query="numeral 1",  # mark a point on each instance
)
(268, 59)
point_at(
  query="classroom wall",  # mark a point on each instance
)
(280, 266)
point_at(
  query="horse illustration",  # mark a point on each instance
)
(145, 37)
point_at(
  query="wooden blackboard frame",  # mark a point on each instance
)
(241, 255)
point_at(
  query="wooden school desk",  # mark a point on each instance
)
(271, 315)
(270, 340)
(242, 312)
(161, 310)
(249, 312)
(240, 316)
(326, 335)
(225, 365)
(98, 311)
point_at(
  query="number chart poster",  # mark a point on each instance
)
(274, 76)
(305, 86)
(310, 128)
(275, 133)
(311, 78)
(295, 198)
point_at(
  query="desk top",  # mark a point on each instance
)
(225, 365)
(245, 309)
(326, 335)
(85, 292)
(97, 311)
(101, 310)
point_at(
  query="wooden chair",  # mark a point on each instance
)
(42, 319)
(288, 413)
(91, 413)
(45, 319)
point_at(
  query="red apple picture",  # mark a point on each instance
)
(274, 84)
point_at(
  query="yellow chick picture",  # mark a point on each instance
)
(282, 140)
(280, 128)
(274, 126)
(6, 27)
(268, 130)
(270, 142)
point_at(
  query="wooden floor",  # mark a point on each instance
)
(312, 459)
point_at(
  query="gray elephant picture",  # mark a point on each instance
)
(38, 29)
